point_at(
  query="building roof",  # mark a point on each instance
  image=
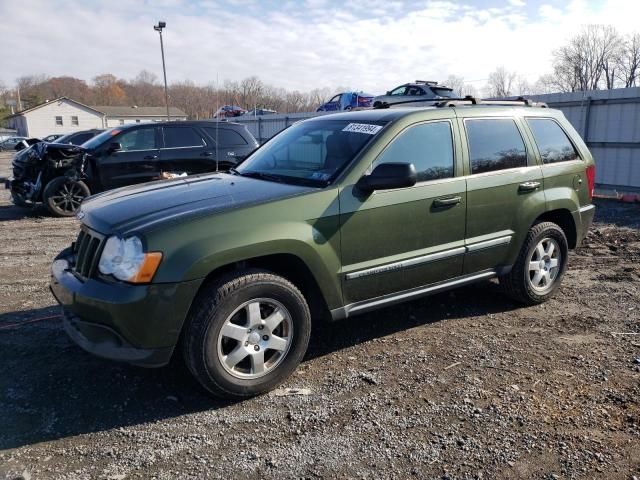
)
(126, 111)
(133, 111)
(49, 102)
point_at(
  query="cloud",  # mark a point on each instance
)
(371, 45)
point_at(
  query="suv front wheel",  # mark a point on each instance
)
(246, 333)
(540, 266)
(63, 196)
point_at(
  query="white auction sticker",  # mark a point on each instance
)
(362, 128)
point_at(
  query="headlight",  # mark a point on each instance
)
(126, 260)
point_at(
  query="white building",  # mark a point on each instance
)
(64, 115)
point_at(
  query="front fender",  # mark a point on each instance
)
(196, 249)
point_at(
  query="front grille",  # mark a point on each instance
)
(87, 249)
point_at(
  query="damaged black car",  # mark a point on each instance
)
(62, 176)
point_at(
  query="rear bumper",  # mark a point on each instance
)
(583, 222)
(139, 324)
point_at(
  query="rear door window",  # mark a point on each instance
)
(429, 146)
(226, 137)
(181, 137)
(494, 144)
(552, 142)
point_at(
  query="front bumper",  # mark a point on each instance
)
(139, 324)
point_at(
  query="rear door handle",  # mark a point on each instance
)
(206, 154)
(447, 201)
(150, 157)
(528, 186)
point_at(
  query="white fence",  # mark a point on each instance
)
(608, 120)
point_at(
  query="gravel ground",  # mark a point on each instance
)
(462, 385)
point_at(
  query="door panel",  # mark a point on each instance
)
(184, 149)
(499, 211)
(399, 239)
(136, 162)
(505, 191)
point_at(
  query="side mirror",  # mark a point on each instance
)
(114, 147)
(387, 176)
(388, 92)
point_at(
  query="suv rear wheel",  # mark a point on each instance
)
(540, 266)
(246, 333)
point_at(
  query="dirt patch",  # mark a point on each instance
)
(464, 384)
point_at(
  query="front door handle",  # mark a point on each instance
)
(151, 157)
(206, 154)
(528, 186)
(446, 201)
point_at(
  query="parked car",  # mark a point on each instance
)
(419, 90)
(51, 138)
(229, 111)
(256, 112)
(10, 143)
(335, 216)
(77, 138)
(62, 175)
(346, 101)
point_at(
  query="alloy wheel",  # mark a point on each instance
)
(69, 197)
(255, 338)
(544, 264)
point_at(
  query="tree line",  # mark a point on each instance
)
(197, 101)
(597, 57)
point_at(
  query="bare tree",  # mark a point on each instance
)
(587, 58)
(501, 83)
(628, 71)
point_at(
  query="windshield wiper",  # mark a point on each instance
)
(263, 176)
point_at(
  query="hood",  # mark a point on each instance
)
(149, 205)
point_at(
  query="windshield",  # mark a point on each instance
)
(311, 152)
(99, 139)
(442, 92)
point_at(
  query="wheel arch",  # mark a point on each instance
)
(287, 265)
(564, 219)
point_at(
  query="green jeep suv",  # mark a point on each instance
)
(333, 217)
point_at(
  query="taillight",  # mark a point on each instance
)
(591, 179)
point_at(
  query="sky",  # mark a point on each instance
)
(370, 45)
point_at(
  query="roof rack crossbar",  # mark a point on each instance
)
(467, 100)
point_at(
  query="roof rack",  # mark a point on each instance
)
(431, 83)
(468, 100)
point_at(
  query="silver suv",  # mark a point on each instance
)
(419, 90)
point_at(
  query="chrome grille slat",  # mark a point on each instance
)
(88, 248)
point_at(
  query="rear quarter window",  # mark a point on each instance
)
(553, 144)
(494, 144)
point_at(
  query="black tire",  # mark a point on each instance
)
(63, 196)
(214, 307)
(518, 283)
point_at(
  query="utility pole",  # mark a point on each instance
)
(158, 28)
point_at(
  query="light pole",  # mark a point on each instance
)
(158, 28)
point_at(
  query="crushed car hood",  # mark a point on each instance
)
(42, 150)
(147, 206)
